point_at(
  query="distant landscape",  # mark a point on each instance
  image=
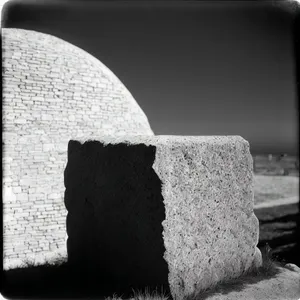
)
(278, 165)
(276, 177)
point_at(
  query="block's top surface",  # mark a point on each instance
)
(166, 140)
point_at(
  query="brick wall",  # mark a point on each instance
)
(52, 92)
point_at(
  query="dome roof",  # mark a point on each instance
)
(53, 92)
(55, 71)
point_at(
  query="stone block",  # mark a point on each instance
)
(71, 118)
(47, 117)
(20, 121)
(22, 197)
(95, 108)
(61, 147)
(179, 208)
(48, 147)
(8, 194)
(28, 182)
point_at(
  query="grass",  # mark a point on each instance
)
(146, 295)
(154, 295)
(58, 261)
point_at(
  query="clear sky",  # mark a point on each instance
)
(195, 67)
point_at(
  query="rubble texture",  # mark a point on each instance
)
(52, 92)
(210, 231)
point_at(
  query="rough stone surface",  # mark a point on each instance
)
(210, 231)
(52, 92)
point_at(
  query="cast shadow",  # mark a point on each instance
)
(115, 213)
(114, 225)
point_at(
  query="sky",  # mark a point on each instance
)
(194, 67)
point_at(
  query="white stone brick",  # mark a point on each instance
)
(47, 117)
(53, 75)
(29, 102)
(8, 218)
(22, 214)
(72, 118)
(61, 147)
(27, 182)
(8, 194)
(54, 196)
(22, 197)
(9, 116)
(48, 147)
(32, 190)
(17, 189)
(95, 108)
(20, 121)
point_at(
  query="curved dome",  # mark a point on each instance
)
(60, 70)
(53, 91)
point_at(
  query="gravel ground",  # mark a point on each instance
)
(285, 286)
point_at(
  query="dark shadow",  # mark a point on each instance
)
(280, 241)
(114, 224)
(115, 213)
(279, 227)
(284, 247)
(283, 219)
(276, 212)
(39, 282)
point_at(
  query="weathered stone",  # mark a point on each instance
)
(201, 193)
(95, 108)
(17, 189)
(28, 182)
(47, 117)
(54, 196)
(20, 121)
(22, 196)
(48, 147)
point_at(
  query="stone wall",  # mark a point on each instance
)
(52, 92)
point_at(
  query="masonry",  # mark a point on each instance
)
(152, 211)
(52, 92)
